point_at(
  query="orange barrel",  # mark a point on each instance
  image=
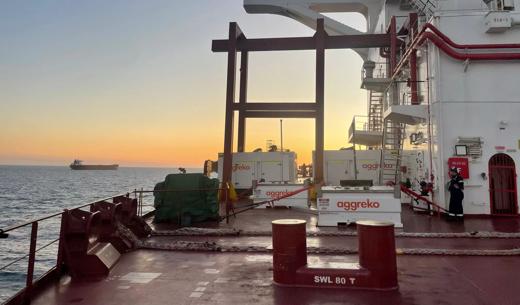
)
(289, 249)
(376, 244)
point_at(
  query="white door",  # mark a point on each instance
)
(271, 171)
(338, 170)
(243, 174)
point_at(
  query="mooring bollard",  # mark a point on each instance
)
(377, 268)
(376, 247)
(289, 249)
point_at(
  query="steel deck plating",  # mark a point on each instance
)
(180, 277)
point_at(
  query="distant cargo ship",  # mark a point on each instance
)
(78, 165)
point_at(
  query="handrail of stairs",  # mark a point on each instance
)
(418, 196)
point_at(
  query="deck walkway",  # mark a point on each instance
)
(176, 277)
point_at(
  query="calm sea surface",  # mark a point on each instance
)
(28, 192)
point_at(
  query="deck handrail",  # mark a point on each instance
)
(23, 224)
(24, 295)
(417, 196)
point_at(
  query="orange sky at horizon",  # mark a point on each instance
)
(161, 104)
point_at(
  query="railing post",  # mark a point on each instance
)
(226, 191)
(141, 202)
(60, 259)
(30, 267)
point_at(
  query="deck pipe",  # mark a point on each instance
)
(468, 46)
(376, 270)
(444, 43)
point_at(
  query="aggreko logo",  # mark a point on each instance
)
(241, 167)
(354, 205)
(277, 194)
(375, 166)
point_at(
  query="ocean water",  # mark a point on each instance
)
(28, 192)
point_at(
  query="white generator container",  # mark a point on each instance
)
(344, 205)
(264, 192)
(268, 167)
(339, 165)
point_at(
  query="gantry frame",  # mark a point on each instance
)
(237, 42)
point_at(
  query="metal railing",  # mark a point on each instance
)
(24, 296)
(359, 123)
(144, 209)
(380, 71)
(406, 97)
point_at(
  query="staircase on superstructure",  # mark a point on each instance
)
(391, 152)
(375, 111)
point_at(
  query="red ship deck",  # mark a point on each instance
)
(175, 277)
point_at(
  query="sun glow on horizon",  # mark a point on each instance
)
(138, 85)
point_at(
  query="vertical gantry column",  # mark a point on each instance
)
(242, 99)
(234, 32)
(320, 98)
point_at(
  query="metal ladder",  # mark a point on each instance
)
(424, 7)
(375, 111)
(391, 152)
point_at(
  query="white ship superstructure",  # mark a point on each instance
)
(446, 95)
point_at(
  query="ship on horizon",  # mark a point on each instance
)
(78, 165)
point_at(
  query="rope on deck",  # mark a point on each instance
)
(193, 231)
(210, 246)
(206, 246)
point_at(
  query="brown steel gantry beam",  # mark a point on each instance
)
(237, 42)
(242, 99)
(305, 43)
(234, 34)
(321, 37)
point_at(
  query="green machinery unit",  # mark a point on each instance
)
(186, 198)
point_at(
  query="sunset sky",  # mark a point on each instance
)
(136, 83)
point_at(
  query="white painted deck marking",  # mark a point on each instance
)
(260, 283)
(222, 280)
(123, 287)
(196, 294)
(200, 289)
(211, 271)
(259, 258)
(202, 283)
(236, 264)
(140, 277)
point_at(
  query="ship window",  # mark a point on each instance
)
(501, 5)
(461, 150)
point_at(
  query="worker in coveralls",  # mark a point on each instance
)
(456, 187)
